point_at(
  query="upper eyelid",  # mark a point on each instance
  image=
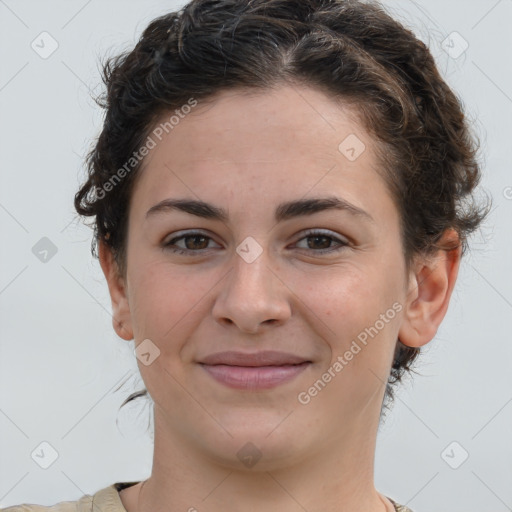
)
(325, 232)
(186, 234)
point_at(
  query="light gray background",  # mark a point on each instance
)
(60, 359)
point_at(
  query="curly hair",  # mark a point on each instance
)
(353, 51)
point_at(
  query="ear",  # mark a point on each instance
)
(121, 318)
(431, 284)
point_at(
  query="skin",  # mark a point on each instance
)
(247, 153)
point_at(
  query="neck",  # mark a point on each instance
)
(335, 477)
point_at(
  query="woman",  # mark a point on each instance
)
(277, 193)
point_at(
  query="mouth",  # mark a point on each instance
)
(261, 370)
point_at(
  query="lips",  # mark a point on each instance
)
(265, 358)
(257, 371)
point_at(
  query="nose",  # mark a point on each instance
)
(252, 295)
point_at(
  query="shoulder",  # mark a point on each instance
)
(398, 507)
(104, 500)
(402, 508)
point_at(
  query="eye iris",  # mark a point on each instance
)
(195, 237)
(318, 237)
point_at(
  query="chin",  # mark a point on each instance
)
(256, 444)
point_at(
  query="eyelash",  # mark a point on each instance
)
(309, 234)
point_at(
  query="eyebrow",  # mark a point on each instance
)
(284, 211)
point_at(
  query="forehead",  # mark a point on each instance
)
(288, 120)
(289, 140)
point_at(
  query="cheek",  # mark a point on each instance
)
(346, 297)
(166, 308)
(362, 313)
(165, 299)
(356, 312)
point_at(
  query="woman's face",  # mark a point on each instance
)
(323, 285)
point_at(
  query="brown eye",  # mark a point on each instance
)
(197, 242)
(320, 242)
(191, 242)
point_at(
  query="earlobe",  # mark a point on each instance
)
(121, 318)
(431, 285)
